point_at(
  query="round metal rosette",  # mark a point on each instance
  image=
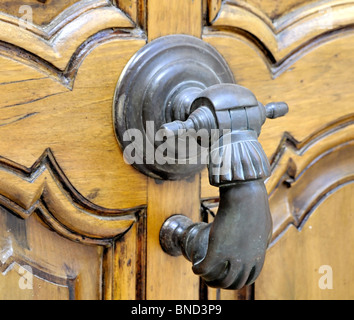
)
(169, 70)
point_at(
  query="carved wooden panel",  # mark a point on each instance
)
(39, 98)
(57, 42)
(284, 30)
(299, 52)
(85, 224)
(44, 13)
(35, 268)
(65, 213)
(312, 210)
(308, 173)
(37, 263)
(314, 261)
(310, 79)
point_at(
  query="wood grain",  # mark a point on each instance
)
(214, 7)
(130, 7)
(128, 261)
(171, 197)
(174, 17)
(275, 9)
(136, 10)
(165, 199)
(51, 104)
(45, 188)
(292, 267)
(55, 271)
(297, 191)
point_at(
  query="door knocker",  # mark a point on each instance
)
(177, 109)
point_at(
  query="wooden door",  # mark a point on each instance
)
(77, 222)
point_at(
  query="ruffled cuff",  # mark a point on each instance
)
(237, 156)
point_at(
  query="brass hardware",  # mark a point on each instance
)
(184, 88)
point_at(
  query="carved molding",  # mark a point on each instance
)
(135, 9)
(44, 189)
(65, 76)
(59, 40)
(213, 8)
(284, 36)
(305, 173)
(42, 11)
(303, 153)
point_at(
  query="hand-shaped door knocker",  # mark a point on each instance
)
(179, 86)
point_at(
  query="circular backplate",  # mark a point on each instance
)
(146, 88)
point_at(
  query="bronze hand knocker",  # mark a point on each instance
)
(182, 85)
